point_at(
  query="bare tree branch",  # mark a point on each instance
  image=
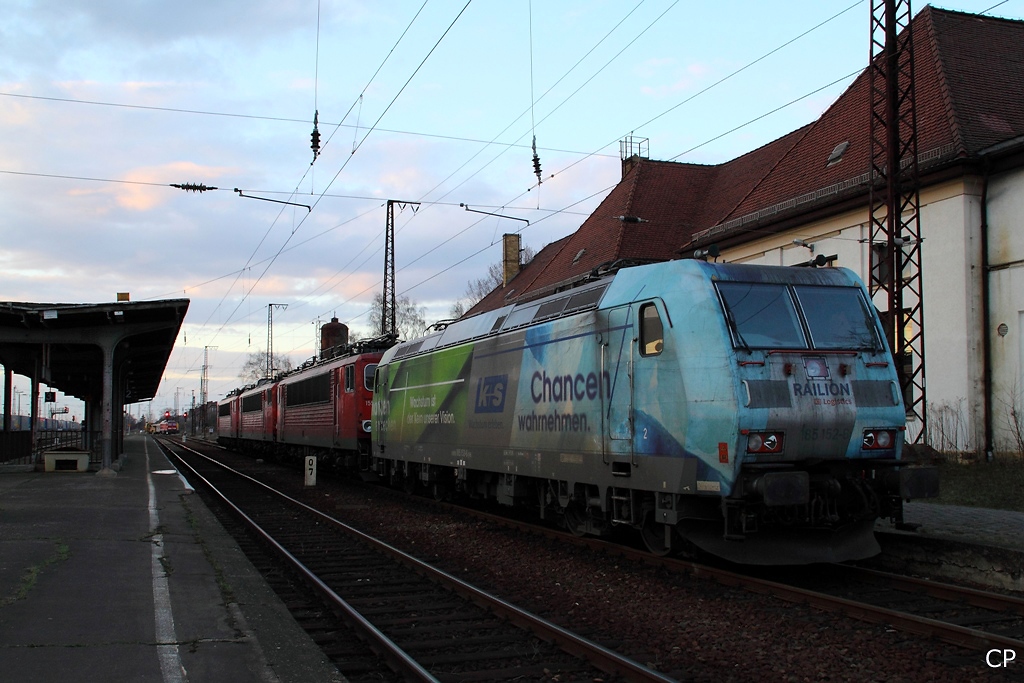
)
(481, 287)
(255, 366)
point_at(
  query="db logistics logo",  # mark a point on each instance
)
(1000, 658)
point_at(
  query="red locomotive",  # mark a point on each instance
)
(322, 408)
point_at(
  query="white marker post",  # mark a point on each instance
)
(310, 470)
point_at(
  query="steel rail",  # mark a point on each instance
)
(950, 633)
(599, 656)
(945, 591)
(397, 658)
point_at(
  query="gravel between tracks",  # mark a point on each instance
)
(690, 628)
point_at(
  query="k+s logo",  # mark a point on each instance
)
(490, 394)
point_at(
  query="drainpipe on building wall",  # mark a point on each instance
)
(986, 318)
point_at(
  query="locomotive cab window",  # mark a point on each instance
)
(652, 331)
(368, 373)
(350, 378)
(837, 317)
(761, 315)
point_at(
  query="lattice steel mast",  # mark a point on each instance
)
(204, 386)
(388, 322)
(895, 199)
(270, 337)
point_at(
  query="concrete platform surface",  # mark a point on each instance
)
(982, 526)
(131, 578)
(979, 526)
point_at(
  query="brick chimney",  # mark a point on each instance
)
(631, 151)
(511, 247)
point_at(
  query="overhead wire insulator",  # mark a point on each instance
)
(192, 187)
(536, 161)
(315, 137)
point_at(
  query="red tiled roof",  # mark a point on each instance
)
(981, 63)
(969, 86)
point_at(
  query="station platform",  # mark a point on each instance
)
(131, 578)
(980, 526)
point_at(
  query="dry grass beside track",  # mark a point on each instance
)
(977, 483)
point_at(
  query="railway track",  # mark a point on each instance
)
(975, 621)
(958, 615)
(426, 624)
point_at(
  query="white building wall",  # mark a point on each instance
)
(1006, 268)
(951, 255)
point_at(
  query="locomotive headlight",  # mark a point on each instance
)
(764, 442)
(878, 439)
(367, 426)
(816, 367)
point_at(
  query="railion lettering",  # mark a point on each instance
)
(821, 389)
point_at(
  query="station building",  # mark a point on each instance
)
(805, 195)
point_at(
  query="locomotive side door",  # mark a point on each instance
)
(617, 372)
(337, 415)
(269, 417)
(379, 411)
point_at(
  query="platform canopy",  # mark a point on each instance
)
(67, 339)
(108, 355)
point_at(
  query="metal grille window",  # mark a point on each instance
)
(252, 403)
(313, 390)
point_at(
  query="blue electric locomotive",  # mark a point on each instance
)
(753, 411)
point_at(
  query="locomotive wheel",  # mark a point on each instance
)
(440, 492)
(575, 519)
(653, 535)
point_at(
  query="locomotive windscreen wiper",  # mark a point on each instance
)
(735, 329)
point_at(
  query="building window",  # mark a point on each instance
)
(837, 154)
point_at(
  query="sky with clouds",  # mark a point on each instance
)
(104, 104)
